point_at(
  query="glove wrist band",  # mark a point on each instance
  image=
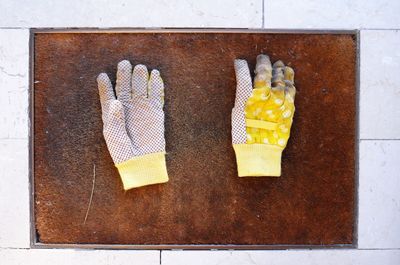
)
(258, 160)
(143, 170)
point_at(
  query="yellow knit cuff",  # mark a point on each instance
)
(143, 170)
(258, 160)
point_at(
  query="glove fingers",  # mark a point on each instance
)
(243, 79)
(115, 134)
(156, 87)
(106, 91)
(290, 93)
(290, 90)
(278, 78)
(140, 79)
(288, 73)
(263, 72)
(123, 86)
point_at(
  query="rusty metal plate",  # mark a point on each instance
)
(204, 203)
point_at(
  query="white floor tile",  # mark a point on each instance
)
(339, 14)
(14, 79)
(298, 257)
(84, 257)
(380, 84)
(14, 194)
(104, 13)
(379, 194)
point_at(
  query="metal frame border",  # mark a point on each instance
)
(35, 244)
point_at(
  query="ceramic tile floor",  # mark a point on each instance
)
(379, 180)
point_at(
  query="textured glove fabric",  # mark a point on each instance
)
(133, 124)
(262, 116)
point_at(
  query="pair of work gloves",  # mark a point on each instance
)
(134, 120)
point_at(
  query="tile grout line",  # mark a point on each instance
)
(263, 14)
(13, 139)
(14, 248)
(393, 29)
(21, 28)
(380, 139)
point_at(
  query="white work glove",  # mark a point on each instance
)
(134, 124)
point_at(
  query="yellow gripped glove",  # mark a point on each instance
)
(134, 124)
(262, 117)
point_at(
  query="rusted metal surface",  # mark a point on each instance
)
(204, 202)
